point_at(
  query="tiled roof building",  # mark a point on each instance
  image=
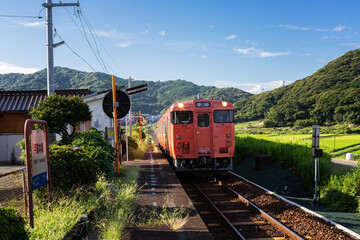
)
(23, 100)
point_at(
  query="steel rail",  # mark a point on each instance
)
(225, 219)
(271, 220)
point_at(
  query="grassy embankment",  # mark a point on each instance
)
(335, 140)
(292, 149)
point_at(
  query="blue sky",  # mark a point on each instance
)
(252, 45)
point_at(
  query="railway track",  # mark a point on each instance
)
(231, 210)
(241, 217)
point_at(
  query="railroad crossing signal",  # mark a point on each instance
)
(130, 91)
(122, 101)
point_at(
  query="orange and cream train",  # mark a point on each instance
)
(198, 136)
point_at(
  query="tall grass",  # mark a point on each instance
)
(55, 223)
(140, 151)
(111, 201)
(119, 204)
(296, 157)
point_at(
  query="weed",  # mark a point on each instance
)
(112, 202)
(172, 217)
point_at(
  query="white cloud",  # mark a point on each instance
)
(293, 27)
(230, 37)
(211, 26)
(162, 33)
(124, 44)
(356, 45)
(251, 43)
(272, 54)
(204, 56)
(113, 33)
(39, 24)
(245, 51)
(259, 53)
(10, 68)
(254, 88)
(338, 28)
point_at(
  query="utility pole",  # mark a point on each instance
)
(50, 53)
(130, 121)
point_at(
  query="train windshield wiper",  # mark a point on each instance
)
(185, 122)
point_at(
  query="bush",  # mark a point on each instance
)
(342, 192)
(304, 123)
(12, 156)
(12, 225)
(136, 133)
(59, 112)
(95, 147)
(88, 157)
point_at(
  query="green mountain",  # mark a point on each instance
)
(157, 99)
(330, 95)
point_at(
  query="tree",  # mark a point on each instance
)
(59, 112)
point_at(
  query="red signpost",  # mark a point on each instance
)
(37, 161)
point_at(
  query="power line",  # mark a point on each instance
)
(92, 35)
(91, 47)
(108, 84)
(18, 16)
(102, 45)
(93, 32)
(80, 14)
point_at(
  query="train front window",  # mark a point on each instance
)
(224, 116)
(181, 117)
(203, 120)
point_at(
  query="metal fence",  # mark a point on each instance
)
(13, 190)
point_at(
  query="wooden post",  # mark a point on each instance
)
(106, 133)
(115, 125)
(140, 125)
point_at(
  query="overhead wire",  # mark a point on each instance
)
(102, 45)
(19, 16)
(80, 14)
(91, 47)
(107, 83)
(92, 35)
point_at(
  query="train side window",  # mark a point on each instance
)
(203, 120)
(224, 116)
(181, 117)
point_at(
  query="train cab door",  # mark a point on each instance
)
(203, 134)
(166, 133)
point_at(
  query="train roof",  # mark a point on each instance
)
(201, 103)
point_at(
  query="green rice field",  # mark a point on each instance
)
(336, 144)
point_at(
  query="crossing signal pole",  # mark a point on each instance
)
(50, 46)
(130, 122)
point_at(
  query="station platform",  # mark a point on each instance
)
(159, 189)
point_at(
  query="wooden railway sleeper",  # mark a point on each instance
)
(271, 220)
(228, 223)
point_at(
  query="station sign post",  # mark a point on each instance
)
(37, 161)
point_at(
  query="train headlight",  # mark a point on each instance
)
(228, 135)
(178, 136)
(224, 104)
(180, 105)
